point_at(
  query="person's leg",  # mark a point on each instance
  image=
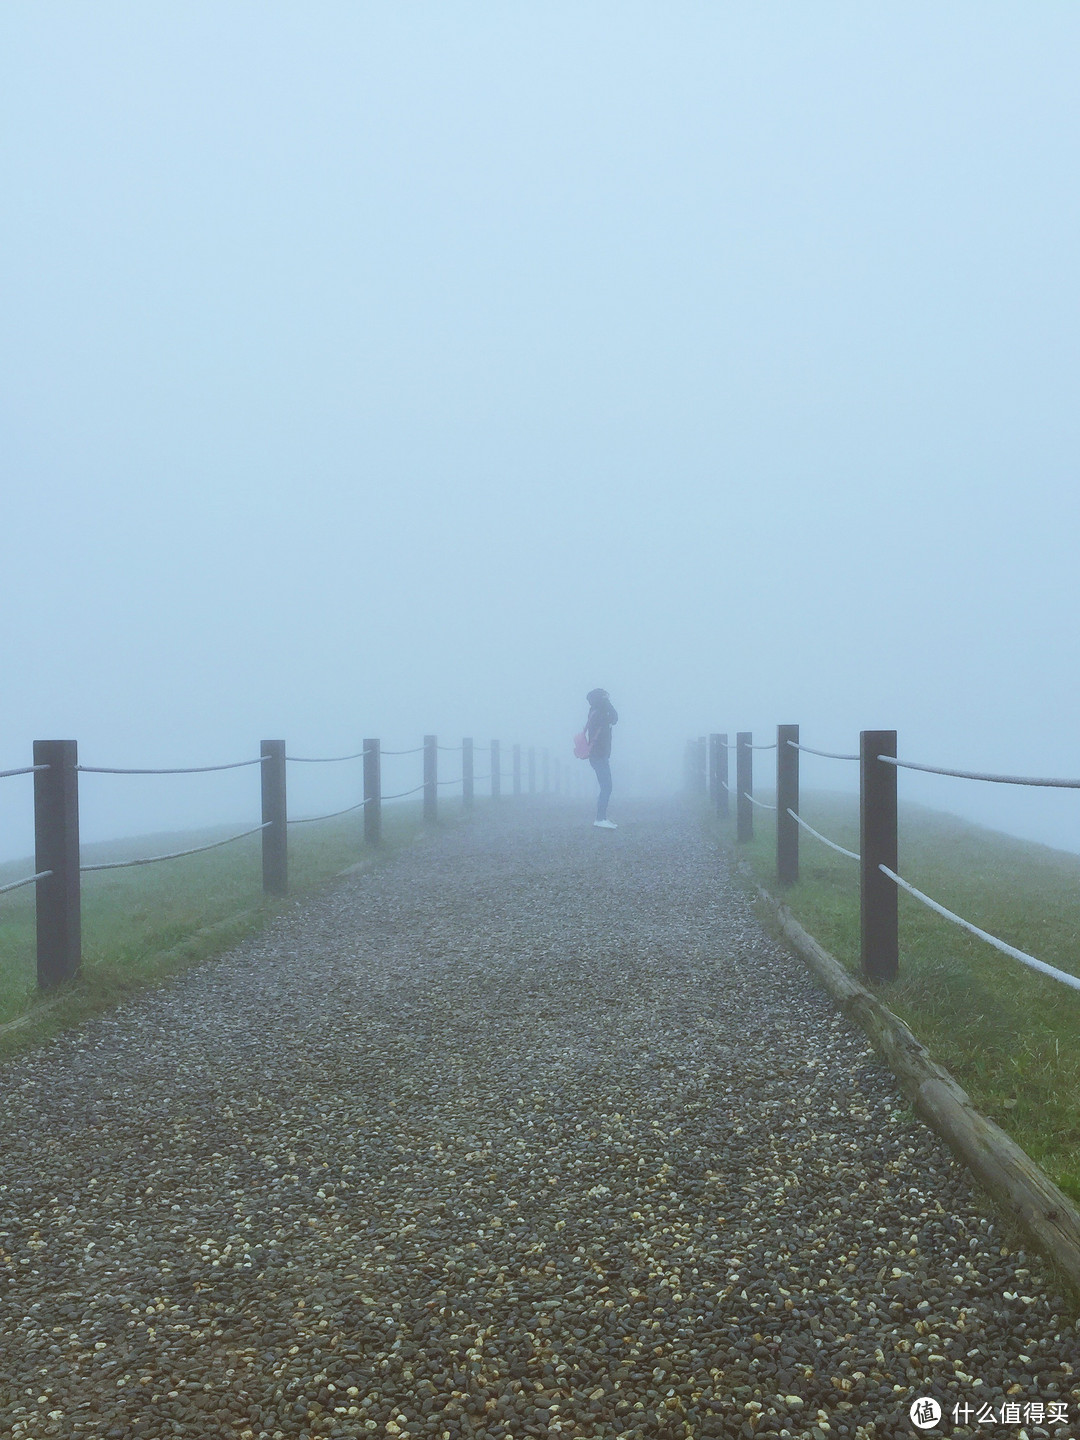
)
(603, 774)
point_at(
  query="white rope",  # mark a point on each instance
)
(310, 819)
(823, 838)
(762, 747)
(825, 754)
(759, 803)
(184, 770)
(979, 775)
(26, 770)
(17, 884)
(176, 854)
(326, 759)
(1025, 959)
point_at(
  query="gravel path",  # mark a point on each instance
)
(531, 1132)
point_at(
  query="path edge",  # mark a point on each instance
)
(1017, 1185)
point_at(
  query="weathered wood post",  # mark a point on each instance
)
(532, 769)
(496, 775)
(744, 785)
(787, 798)
(723, 804)
(517, 769)
(701, 766)
(56, 848)
(431, 778)
(545, 771)
(878, 846)
(467, 774)
(372, 793)
(714, 772)
(275, 838)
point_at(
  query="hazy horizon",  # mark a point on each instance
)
(387, 370)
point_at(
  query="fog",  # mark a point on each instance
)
(390, 369)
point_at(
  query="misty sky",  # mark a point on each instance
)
(371, 369)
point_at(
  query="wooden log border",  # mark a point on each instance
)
(1019, 1187)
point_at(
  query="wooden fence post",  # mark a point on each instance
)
(275, 838)
(56, 848)
(744, 785)
(431, 778)
(517, 769)
(372, 793)
(701, 766)
(723, 804)
(878, 846)
(787, 798)
(496, 774)
(545, 771)
(714, 772)
(467, 774)
(532, 769)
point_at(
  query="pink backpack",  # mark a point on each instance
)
(582, 745)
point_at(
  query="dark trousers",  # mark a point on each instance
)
(603, 775)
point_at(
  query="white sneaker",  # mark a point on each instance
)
(605, 824)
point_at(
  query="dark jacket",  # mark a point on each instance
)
(602, 716)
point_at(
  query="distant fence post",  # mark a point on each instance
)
(787, 798)
(545, 771)
(714, 772)
(878, 846)
(744, 785)
(467, 774)
(723, 804)
(532, 769)
(275, 839)
(496, 776)
(56, 848)
(701, 766)
(517, 769)
(372, 793)
(431, 778)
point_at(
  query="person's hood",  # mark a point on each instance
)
(596, 697)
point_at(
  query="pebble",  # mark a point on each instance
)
(532, 1131)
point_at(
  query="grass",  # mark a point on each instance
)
(144, 924)
(1008, 1034)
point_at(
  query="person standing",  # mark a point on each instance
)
(602, 716)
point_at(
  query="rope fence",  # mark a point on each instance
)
(980, 775)
(176, 770)
(1006, 949)
(823, 838)
(825, 754)
(325, 759)
(56, 771)
(879, 882)
(175, 854)
(28, 880)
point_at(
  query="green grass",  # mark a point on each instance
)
(142, 925)
(1008, 1034)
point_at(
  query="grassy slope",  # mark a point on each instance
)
(1008, 1034)
(143, 924)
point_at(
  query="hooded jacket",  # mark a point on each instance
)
(602, 716)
